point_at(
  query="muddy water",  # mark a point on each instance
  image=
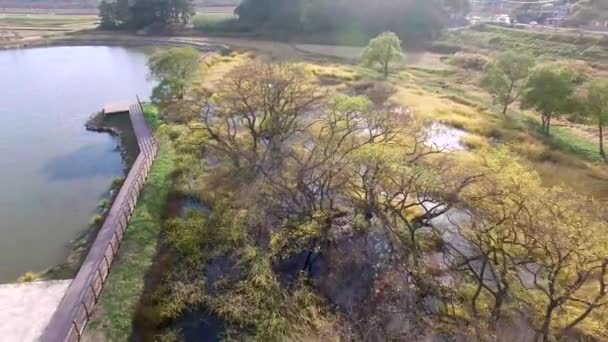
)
(52, 171)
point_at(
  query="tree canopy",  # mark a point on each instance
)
(594, 103)
(144, 13)
(383, 50)
(311, 188)
(410, 19)
(550, 91)
(585, 11)
(174, 68)
(505, 78)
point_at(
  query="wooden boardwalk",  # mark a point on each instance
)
(116, 108)
(74, 310)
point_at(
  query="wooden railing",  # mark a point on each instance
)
(75, 309)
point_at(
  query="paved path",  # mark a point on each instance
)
(73, 312)
(26, 308)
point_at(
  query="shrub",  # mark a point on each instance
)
(96, 220)
(430, 242)
(469, 61)
(594, 52)
(495, 41)
(480, 27)
(473, 141)
(360, 224)
(117, 182)
(603, 41)
(379, 93)
(28, 277)
(104, 203)
(185, 236)
(444, 48)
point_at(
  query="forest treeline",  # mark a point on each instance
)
(410, 19)
(125, 14)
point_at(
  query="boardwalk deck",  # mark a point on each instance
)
(116, 108)
(74, 310)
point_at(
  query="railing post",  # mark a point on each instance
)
(126, 216)
(103, 282)
(105, 257)
(94, 292)
(86, 310)
(139, 103)
(114, 250)
(77, 329)
(118, 240)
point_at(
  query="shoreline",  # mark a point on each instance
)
(78, 247)
(95, 123)
(104, 38)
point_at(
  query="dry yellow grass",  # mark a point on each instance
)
(213, 68)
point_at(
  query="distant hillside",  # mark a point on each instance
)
(588, 11)
(90, 4)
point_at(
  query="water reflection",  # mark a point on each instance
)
(82, 163)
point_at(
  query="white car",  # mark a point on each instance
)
(503, 18)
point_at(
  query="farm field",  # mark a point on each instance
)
(16, 27)
(46, 20)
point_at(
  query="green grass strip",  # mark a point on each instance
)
(565, 140)
(569, 141)
(125, 284)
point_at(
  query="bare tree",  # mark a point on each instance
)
(408, 184)
(256, 109)
(570, 267)
(538, 247)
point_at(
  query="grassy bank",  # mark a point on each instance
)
(119, 299)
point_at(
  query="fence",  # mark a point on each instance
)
(75, 309)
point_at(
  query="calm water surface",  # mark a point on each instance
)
(52, 171)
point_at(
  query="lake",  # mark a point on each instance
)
(53, 172)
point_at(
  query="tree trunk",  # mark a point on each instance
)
(414, 250)
(543, 120)
(498, 301)
(546, 121)
(308, 264)
(504, 108)
(386, 69)
(601, 138)
(478, 290)
(508, 98)
(545, 329)
(387, 61)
